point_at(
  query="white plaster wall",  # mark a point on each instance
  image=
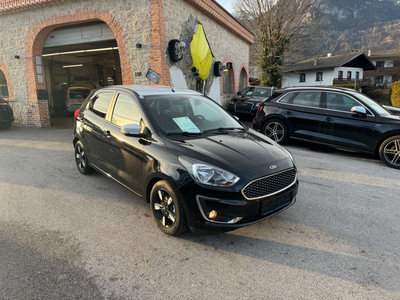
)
(215, 92)
(294, 80)
(177, 78)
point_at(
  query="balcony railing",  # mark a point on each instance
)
(349, 81)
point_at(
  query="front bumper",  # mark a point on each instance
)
(234, 211)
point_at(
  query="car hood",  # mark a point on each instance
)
(234, 151)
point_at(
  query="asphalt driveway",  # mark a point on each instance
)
(68, 236)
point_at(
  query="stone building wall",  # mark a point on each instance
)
(225, 44)
(133, 16)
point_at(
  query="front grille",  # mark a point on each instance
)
(271, 184)
(243, 106)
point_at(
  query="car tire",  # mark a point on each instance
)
(276, 130)
(389, 152)
(81, 159)
(167, 209)
(218, 69)
(174, 50)
(6, 125)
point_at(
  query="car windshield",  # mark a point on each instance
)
(185, 114)
(256, 92)
(371, 103)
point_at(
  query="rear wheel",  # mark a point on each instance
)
(6, 125)
(167, 209)
(389, 152)
(276, 130)
(81, 159)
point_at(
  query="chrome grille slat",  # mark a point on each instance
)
(269, 185)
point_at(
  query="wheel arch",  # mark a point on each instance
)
(279, 117)
(384, 138)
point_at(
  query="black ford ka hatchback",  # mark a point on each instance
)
(196, 165)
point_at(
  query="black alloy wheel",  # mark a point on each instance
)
(81, 159)
(167, 209)
(389, 152)
(276, 130)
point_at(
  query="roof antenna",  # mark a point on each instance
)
(172, 88)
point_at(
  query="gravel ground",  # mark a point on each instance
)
(68, 236)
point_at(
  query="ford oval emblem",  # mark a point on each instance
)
(273, 167)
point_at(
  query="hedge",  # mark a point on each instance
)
(395, 92)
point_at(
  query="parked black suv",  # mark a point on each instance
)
(183, 153)
(333, 116)
(6, 114)
(247, 101)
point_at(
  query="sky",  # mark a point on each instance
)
(227, 4)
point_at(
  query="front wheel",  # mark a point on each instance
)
(276, 130)
(389, 152)
(167, 209)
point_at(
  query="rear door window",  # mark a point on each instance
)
(101, 102)
(309, 99)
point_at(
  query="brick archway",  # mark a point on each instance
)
(4, 69)
(38, 113)
(244, 68)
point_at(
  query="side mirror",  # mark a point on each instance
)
(239, 93)
(133, 130)
(359, 111)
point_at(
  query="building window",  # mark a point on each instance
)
(319, 77)
(380, 64)
(357, 75)
(340, 75)
(242, 80)
(302, 77)
(379, 79)
(349, 75)
(3, 85)
(227, 82)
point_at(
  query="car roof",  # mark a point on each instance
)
(342, 89)
(150, 90)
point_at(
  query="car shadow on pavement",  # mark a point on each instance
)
(359, 269)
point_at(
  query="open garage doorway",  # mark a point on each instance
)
(76, 60)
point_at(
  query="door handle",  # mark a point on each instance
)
(288, 112)
(107, 133)
(328, 119)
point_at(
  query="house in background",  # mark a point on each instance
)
(387, 68)
(329, 70)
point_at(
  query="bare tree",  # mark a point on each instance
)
(282, 28)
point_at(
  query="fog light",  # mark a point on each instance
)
(212, 215)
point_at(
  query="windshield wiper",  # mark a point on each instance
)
(184, 133)
(224, 129)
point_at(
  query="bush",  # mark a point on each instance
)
(395, 93)
(382, 96)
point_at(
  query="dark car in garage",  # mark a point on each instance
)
(247, 101)
(337, 117)
(6, 114)
(195, 164)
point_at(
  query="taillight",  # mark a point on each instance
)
(260, 108)
(76, 113)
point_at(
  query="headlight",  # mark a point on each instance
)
(207, 174)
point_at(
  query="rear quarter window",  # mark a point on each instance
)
(100, 103)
